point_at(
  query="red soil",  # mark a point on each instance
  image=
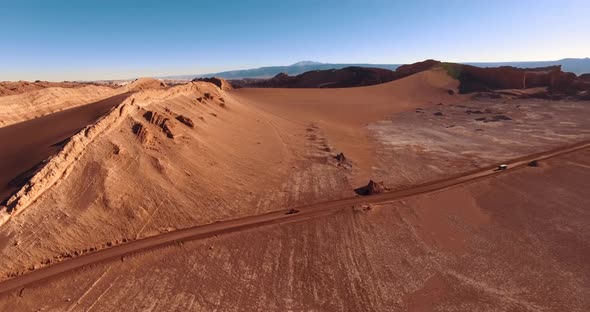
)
(27, 144)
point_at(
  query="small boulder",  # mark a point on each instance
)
(372, 188)
(340, 158)
(186, 121)
(219, 82)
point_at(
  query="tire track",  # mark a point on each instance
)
(270, 218)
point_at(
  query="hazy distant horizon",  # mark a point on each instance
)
(166, 75)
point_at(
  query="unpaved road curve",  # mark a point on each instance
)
(276, 217)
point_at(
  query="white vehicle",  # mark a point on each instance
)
(502, 167)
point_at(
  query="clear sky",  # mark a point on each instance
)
(106, 39)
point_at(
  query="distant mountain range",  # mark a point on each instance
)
(271, 71)
(574, 65)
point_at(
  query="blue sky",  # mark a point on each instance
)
(74, 40)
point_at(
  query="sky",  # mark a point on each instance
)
(105, 39)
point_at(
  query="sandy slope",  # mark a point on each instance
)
(195, 154)
(25, 106)
(27, 144)
(488, 246)
(239, 158)
(124, 185)
(343, 113)
(274, 218)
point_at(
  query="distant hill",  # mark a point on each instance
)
(574, 65)
(353, 76)
(577, 66)
(291, 70)
(331, 78)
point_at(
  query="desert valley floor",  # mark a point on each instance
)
(138, 161)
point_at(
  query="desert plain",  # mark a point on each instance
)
(379, 196)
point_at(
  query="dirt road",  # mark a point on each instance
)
(298, 214)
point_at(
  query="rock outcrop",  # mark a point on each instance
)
(219, 82)
(372, 188)
(145, 84)
(186, 121)
(161, 121)
(478, 79)
(143, 134)
(58, 166)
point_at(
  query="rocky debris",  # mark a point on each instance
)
(292, 211)
(361, 208)
(186, 121)
(117, 149)
(372, 188)
(155, 118)
(533, 163)
(143, 134)
(208, 96)
(469, 112)
(438, 114)
(450, 92)
(342, 161)
(219, 82)
(161, 121)
(494, 118)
